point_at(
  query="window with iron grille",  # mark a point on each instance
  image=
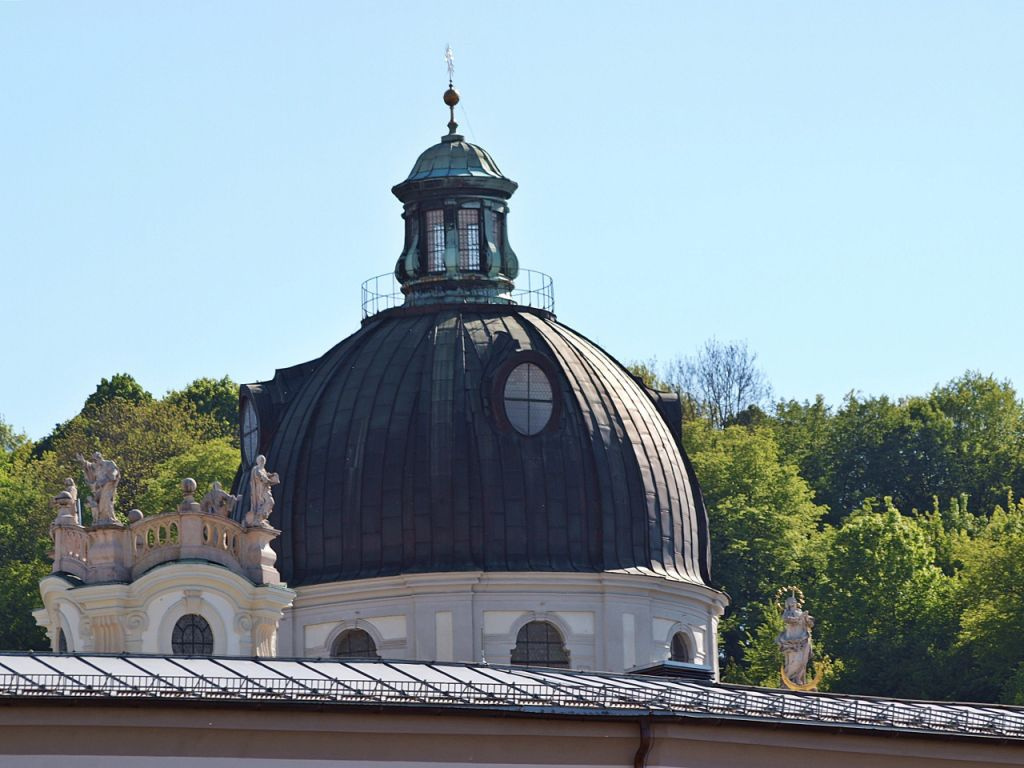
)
(681, 648)
(540, 644)
(355, 644)
(435, 240)
(192, 636)
(529, 401)
(469, 239)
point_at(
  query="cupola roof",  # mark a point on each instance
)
(454, 156)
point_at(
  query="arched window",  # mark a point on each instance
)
(62, 641)
(539, 644)
(192, 636)
(681, 648)
(354, 644)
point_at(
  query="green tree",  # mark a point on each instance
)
(216, 398)
(24, 525)
(966, 437)
(763, 524)
(9, 439)
(984, 444)
(137, 435)
(803, 432)
(992, 622)
(880, 447)
(213, 460)
(120, 385)
(886, 607)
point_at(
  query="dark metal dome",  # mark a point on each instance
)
(398, 453)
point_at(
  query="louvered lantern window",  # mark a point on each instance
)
(192, 636)
(681, 648)
(539, 644)
(529, 401)
(496, 221)
(469, 239)
(355, 644)
(435, 240)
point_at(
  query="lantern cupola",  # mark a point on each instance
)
(456, 247)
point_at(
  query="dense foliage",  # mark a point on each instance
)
(155, 442)
(897, 518)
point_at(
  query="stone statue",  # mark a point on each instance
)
(261, 499)
(66, 503)
(795, 642)
(218, 502)
(103, 477)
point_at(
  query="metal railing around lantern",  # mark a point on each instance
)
(532, 289)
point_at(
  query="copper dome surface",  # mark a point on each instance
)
(454, 157)
(395, 456)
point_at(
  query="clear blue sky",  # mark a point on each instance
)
(197, 189)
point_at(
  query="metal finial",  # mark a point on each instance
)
(451, 96)
(449, 58)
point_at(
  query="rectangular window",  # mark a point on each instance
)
(469, 239)
(435, 240)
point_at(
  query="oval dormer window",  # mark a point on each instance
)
(529, 401)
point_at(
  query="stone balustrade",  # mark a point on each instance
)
(122, 553)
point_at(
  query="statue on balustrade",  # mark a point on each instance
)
(66, 503)
(103, 477)
(218, 501)
(261, 499)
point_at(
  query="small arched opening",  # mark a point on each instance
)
(192, 636)
(354, 644)
(540, 644)
(681, 650)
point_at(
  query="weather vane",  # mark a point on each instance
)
(449, 59)
(451, 96)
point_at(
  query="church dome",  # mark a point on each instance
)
(482, 437)
(465, 431)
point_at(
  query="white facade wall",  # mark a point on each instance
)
(609, 621)
(138, 617)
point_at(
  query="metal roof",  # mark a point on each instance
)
(473, 687)
(394, 457)
(454, 158)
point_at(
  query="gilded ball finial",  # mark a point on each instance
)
(451, 97)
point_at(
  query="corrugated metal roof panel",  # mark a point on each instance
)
(475, 687)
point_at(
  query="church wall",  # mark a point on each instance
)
(608, 621)
(139, 617)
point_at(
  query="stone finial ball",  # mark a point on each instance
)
(451, 97)
(188, 485)
(135, 515)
